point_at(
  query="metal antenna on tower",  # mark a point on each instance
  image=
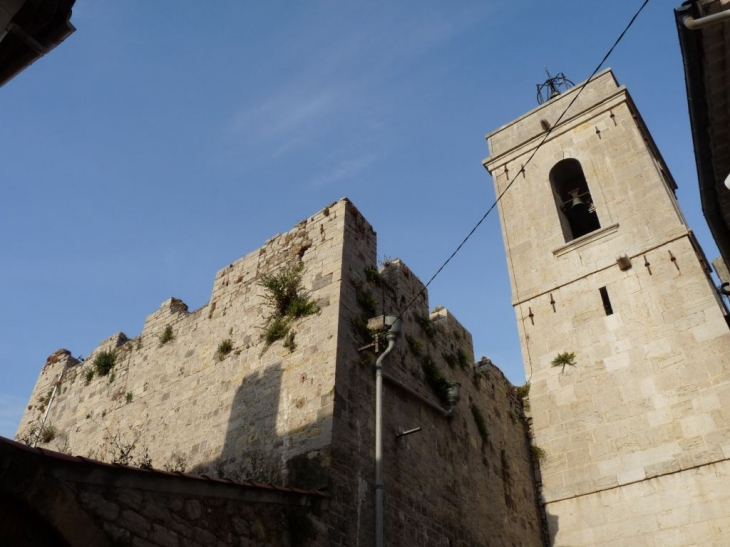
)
(552, 87)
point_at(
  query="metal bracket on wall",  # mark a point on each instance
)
(402, 433)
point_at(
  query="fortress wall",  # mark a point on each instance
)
(245, 414)
(445, 484)
(306, 417)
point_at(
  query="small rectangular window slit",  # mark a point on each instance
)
(606, 301)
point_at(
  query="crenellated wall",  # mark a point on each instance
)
(181, 404)
(301, 413)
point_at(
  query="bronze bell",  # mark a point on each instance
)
(577, 205)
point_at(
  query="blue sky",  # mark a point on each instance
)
(162, 141)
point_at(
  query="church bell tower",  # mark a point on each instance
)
(624, 337)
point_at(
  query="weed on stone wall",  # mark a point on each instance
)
(224, 348)
(178, 463)
(46, 434)
(104, 362)
(144, 461)
(463, 359)
(476, 380)
(450, 359)
(363, 334)
(289, 342)
(368, 305)
(434, 378)
(367, 302)
(34, 435)
(88, 375)
(44, 399)
(129, 396)
(480, 422)
(276, 329)
(562, 360)
(415, 345)
(119, 447)
(167, 335)
(538, 453)
(425, 323)
(372, 275)
(522, 391)
(284, 294)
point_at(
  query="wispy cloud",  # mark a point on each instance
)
(345, 169)
(345, 88)
(286, 113)
(11, 410)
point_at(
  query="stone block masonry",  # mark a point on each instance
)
(180, 403)
(634, 429)
(202, 392)
(49, 499)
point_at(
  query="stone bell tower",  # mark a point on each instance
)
(635, 425)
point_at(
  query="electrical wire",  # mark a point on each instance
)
(522, 169)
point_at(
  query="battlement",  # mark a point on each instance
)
(242, 388)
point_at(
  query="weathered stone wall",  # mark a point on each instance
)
(447, 484)
(306, 417)
(200, 515)
(77, 502)
(249, 413)
(649, 392)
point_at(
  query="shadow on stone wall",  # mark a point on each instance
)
(552, 522)
(253, 450)
(250, 448)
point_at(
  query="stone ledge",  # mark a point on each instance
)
(586, 239)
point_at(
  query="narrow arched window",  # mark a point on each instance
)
(576, 210)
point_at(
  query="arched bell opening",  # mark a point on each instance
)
(576, 209)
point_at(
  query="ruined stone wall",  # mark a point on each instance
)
(248, 413)
(648, 393)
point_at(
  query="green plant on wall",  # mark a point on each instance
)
(480, 422)
(369, 306)
(224, 348)
(178, 463)
(523, 391)
(48, 433)
(415, 345)
(462, 358)
(563, 359)
(450, 359)
(104, 362)
(425, 323)
(372, 275)
(537, 453)
(289, 342)
(284, 294)
(276, 329)
(167, 335)
(434, 378)
(366, 300)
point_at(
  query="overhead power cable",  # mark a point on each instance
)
(522, 169)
